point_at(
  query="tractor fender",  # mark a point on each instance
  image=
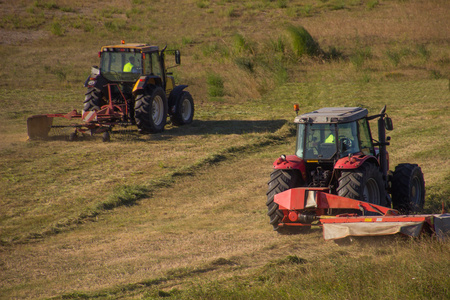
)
(291, 162)
(95, 81)
(354, 161)
(174, 96)
(144, 81)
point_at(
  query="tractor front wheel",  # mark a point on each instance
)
(364, 183)
(184, 110)
(280, 181)
(150, 110)
(408, 188)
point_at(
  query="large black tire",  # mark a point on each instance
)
(364, 183)
(280, 181)
(92, 99)
(184, 110)
(150, 110)
(408, 188)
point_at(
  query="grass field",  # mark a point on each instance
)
(182, 214)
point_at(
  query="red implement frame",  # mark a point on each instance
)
(303, 206)
(94, 121)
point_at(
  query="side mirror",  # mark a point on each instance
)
(177, 57)
(388, 123)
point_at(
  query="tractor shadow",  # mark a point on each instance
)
(197, 127)
(225, 127)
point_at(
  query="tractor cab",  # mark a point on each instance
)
(127, 62)
(133, 79)
(329, 134)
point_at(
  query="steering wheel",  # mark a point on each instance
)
(346, 141)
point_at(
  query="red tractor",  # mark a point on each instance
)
(336, 154)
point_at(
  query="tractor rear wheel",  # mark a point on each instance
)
(150, 110)
(408, 188)
(280, 181)
(92, 99)
(364, 183)
(184, 110)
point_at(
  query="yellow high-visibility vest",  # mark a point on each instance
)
(330, 139)
(128, 67)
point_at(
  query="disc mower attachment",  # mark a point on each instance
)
(39, 126)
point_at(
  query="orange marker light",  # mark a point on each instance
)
(296, 108)
(123, 41)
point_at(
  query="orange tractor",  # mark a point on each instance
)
(339, 178)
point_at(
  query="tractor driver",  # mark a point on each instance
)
(129, 66)
(345, 143)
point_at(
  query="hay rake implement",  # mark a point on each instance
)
(92, 122)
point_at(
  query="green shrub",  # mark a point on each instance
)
(302, 42)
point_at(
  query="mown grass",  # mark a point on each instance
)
(182, 214)
(291, 277)
(346, 276)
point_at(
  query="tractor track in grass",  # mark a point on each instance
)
(129, 195)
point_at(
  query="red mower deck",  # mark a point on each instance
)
(308, 206)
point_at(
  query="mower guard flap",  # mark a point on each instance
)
(410, 225)
(332, 231)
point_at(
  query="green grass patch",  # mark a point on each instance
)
(215, 85)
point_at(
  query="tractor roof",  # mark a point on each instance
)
(333, 115)
(135, 46)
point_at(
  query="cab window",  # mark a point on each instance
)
(365, 138)
(156, 68)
